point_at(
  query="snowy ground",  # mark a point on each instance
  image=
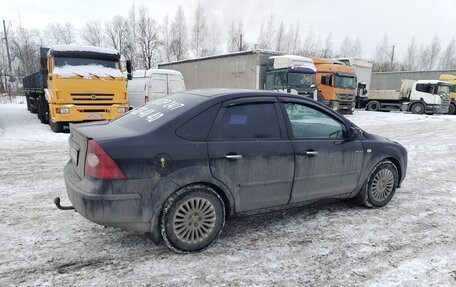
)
(410, 242)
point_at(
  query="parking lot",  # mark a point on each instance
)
(410, 242)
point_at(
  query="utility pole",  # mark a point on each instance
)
(7, 47)
(240, 43)
(392, 58)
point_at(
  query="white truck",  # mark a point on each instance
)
(147, 85)
(255, 69)
(418, 97)
(363, 68)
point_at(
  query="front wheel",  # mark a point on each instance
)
(417, 108)
(380, 186)
(192, 218)
(452, 109)
(56, 127)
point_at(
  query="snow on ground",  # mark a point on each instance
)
(409, 242)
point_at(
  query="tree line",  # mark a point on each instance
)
(146, 42)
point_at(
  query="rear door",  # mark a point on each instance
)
(250, 153)
(158, 87)
(326, 163)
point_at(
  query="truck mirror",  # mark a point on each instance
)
(129, 76)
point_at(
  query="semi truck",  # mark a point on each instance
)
(77, 84)
(418, 97)
(452, 80)
(336, 84)
(255, 69)
(363, 69)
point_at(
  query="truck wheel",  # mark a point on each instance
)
(27, 100)
(42, 110)
(56, 127)
(452, 109)
(380, 186)
(417, 108)
(192, 219)
(373, 106)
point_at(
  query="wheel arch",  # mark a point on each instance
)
(398, 166)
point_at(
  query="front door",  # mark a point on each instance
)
(326, 163)
(249, 153)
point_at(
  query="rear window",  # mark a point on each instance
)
(159, 111)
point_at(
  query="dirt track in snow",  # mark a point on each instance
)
(409, 242)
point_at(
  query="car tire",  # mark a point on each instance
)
(380, 186)
(373, 106)
(417, 108)
(192, 219)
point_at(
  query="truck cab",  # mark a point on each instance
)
(336, 84)
(452, 80)
(291, 74)
(432, 95)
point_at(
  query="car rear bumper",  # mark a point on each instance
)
(119, 210)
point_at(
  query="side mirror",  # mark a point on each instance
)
(129, 76)
(355, 133)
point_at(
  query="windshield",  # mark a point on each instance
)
(65, 61)
(453, 89)
(443, 90)
(299, 79)
(345, 82)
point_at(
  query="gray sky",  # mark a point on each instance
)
(368, 20)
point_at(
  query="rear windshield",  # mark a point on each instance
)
(158, 112)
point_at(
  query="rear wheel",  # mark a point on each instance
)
(42, 110)
(380, 186)
(192, 218)
(417, 108)
(373, 106)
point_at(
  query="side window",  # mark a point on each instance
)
(280, 79)
(198, 127)
(254, 121)
(158, 86)
(307, 122)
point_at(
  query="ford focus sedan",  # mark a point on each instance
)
(177, 167)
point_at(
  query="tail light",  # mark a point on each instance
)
(146, 99)
(99, 164)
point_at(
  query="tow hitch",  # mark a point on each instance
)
(57, 203)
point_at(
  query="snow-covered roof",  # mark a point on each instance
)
(79, 48)
(433, 82)
(148, 73)
(87, 72)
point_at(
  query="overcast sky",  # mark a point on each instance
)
(367, 19)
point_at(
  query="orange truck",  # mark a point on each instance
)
(336, 84)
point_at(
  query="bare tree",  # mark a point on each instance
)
(167, 39)
(410, 61)
(235, 40)
(92, 33)
(311, 44)
(57, 33)
(434, 52)
(179, 35)
(281, 38)
(356, 48)
(266, 37)
(117, 33)
(147, 39)
(293, 39)
(327, 50)
(24, 48)
(213, 43)
(383, 56)
(346, 48)
(448, 57)
(199, 32)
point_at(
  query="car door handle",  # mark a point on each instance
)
(234, 156)
(311, 153)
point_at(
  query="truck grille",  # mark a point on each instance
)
(345, 97)
(445, 104)
(92, 97)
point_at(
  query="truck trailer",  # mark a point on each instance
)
(336, 84)
(418, 97)
(256, 69)
(452, 80)
(76, 84)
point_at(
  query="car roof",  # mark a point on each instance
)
(228, 94)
